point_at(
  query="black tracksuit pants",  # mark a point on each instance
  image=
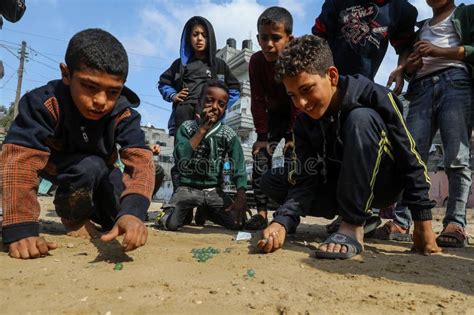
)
(367, 177)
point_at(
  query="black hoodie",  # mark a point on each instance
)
(192, 73)
(318, 140)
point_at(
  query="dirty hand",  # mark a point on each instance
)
(273, 238)
(30, 247)
(424, 239)
(134, 230)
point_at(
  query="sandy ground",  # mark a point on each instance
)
(163, 277)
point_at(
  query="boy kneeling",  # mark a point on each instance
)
(200, 149)
(353, 152)
(68, 132)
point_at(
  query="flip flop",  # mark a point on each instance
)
(353, 247)
(461, 239)
(392, 232)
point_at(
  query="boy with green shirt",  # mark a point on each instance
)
(200, 150)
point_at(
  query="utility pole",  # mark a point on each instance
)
(20, 78)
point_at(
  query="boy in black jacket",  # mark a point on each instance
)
(353, 152)
(182, 82)
(68, 132)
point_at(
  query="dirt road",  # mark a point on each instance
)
(163, 277)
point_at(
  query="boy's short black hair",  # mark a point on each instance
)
(97, 49)
(307, 53)
(274, 15)
(213, 83)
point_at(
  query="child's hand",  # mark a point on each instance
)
(30, 247)
(427, 49)
(155, 148)
(424, 239)
(181, 95)
(273, 238)
(289, 145)
(260, 145)
(134, 229)
(413, 63)
(396, 76)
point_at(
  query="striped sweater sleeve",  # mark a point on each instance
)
(19, 187)
(24, 154)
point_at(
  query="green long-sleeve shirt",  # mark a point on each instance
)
(203, 167)
(463, 21)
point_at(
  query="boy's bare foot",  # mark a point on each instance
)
(354, 231)
(84, 229)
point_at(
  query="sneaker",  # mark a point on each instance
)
(162, 218)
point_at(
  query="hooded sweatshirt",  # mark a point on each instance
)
(319, 140)
(50, 134)
(188, 71)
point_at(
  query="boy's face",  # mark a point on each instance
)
(199, 38)
(94, 92)
(272, 39)
(215, 104)
(436, 4)
(312, 93)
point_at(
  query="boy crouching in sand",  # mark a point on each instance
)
(354, 152)
(68, 132)
(200, 150)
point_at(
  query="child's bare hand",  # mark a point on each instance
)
(396, 76)
(155, 148)
(273, 238)
(134, 230)
(181, 95)
(413, 63)
(289, 145)
(260, 145)
(424, 239)
(427, 49)
(30, 247)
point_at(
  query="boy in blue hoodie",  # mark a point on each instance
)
(71, 132)
(182, 82)
(353, 152)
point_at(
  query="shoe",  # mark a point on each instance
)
(256, 222)
(393, 232)
(162, 218)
